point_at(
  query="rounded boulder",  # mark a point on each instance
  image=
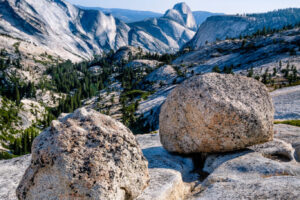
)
(85, 155)
(216, 113)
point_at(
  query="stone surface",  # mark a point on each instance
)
(287, 103)
(259, 53)
(143, 64)
(239, 175)
(249, 175)
(31, 113)
(162, 76)
(289, 134)
(11, 172)
(216, 113)
(171, 176)
(85, 155)
(267, 171)
(276, 149)
(124, 53)
(150, 108)
(183, 15)
(79, 34)
(95, 70)
(232, 26)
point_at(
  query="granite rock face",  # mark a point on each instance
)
(232, 26)
(11, 172)
(249, 175)
(164, 75)
(265, 171)
(85, 155)
(182, 14)
(78, 34)
(171, 176)
(216, 113)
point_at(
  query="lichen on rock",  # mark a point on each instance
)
(85, 155)
(216, 113)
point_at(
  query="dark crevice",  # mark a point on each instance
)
(278, 157)
(199, 161)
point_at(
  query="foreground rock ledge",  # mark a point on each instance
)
(85, 155)
(216, 113)
(268, 171)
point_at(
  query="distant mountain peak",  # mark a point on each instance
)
(182, 7)
(182, 14)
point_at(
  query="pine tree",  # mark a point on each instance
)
(216, 69)
(250, 72)
(17, 95)
(274, 71)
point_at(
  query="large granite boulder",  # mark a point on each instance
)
(216, 113)
(85, 155)
(171, 176)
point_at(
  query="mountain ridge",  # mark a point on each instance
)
(71, 31)
(233, 26)
(131, 16)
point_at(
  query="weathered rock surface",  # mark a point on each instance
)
(290, 134)
(239, 175)
(260, 53)
(11, 172)
(232, 26)
(144, 64)
(75, 33)
(95, 70)
(30, 113)
(85, 155)
(164, 75)
(183, 15)
(267, 171)
(249, 175)
(150, 108)
(171, 176)
(216, 113)
(254, 174)
(287, 103)
(124, 53)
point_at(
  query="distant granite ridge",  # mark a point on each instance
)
(232, 26)
(71, 31)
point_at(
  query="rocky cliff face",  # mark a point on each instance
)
(70, 31)
(165, 34)
(182, 14)
(220, 27)
(60, 26)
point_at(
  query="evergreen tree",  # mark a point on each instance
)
(250, 72)
(216, 69)
(17, 95)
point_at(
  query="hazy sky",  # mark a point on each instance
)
(224, 6)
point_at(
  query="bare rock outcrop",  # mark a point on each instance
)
(250, 175)
(216, 113)
(85, 155)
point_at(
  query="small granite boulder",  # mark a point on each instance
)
(216, 113)
(85, 155)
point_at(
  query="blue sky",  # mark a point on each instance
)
(224, 6)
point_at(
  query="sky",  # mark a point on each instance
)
(220, 6)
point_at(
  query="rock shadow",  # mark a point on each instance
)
(159, 158)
